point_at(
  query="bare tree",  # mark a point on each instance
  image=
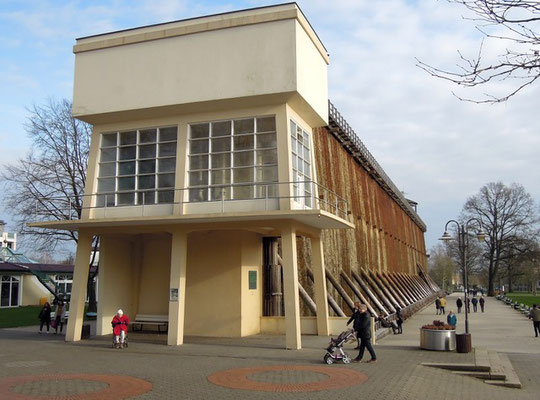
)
(442, 267)
(508, 215)
(519, 22)
(51, 178)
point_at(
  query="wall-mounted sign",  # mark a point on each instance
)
(173, 295)
(252, 280)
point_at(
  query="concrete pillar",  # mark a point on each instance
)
(293, 339)
(178, 285)
(319, 280)
(78, 288)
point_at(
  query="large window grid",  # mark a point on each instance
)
(301, 165)
(137, 167)
(233, 159)
(9, 291)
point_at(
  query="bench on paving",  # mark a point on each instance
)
(150, 319)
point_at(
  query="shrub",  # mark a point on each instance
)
(439, 326)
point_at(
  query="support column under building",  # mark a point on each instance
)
(319, 280)
(293, 338)
(78, 288)
(177, 295)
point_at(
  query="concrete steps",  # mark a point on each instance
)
(492, 367)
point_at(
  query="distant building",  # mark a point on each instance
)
(8, 240)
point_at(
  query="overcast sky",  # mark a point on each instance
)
(435, 148)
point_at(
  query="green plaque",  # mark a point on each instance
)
(252, 280)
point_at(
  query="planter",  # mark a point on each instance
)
(440, 340)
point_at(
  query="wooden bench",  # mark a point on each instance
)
(150, 319)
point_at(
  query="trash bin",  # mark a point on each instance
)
(85, 334)
(463, 343)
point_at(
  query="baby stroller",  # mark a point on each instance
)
(335, 352)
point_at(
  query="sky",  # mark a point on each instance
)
(437, 149)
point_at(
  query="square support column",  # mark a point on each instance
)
(177, 284)
(319, 277)
(293, 338)
(78, 288)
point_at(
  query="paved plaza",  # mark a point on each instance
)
(36, 366)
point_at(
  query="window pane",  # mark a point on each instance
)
(266, 124)
(147, 136)
(299, 136)
(196, 195)
(167, 165)
(244, 126)
(146, 182)
(107, 169)
(199, 131)
(147, 167)
(294, 163)
(243, 192)
(105, 198)
(14, 294)
(106, 185)
(243, 175)
(293, 128)
(266, 140)
(168, 149)
(4, 302)
(148, 197)
(266, 157)
(221, 193)
(221, 128)
(108, 155)
(198, 162)
(243, 158)
(167, 134)
(267, 191)
(126, 168)
(127, 153)
(165, 180)
(306, 153)
(126, 183)
(198, 146)
(166, 196)
(198, 178)
(221, 177)
(221, 160)
(128, 138)
(148, 151)
(126, 198)
(307, 169)
(222, 144)
(293, 144)
(243, 142)
(267, 174)
(108, 140)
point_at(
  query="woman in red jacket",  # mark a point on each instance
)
(120, 323)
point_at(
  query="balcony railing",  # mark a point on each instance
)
(305, 195)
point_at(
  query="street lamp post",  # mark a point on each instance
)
(463, 244)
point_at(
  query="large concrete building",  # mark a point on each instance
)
(223, 183)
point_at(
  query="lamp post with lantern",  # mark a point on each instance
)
(463, 244)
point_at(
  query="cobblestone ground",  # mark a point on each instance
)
(182, 372)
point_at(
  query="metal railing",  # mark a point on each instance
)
(305, 194)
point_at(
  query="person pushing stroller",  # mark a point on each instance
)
(362, 326)
(120, 323)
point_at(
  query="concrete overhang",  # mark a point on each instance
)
(311, 220)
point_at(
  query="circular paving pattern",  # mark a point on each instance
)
(72, 387)
(288, 378)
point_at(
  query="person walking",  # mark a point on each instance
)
(442, 305)
(362, 325)
(45, 317)
(482, 303)
(474, 302)
(438, 305)
(534, 314)
(399, 319)
(60, 314)
(459, 304)
(468, 304)
(451, 319)
(354, 317)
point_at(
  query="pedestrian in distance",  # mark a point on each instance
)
(355, 315)
(362, 325)
(451, 319)
(399, 319)
(534, 314)
(482, 303)
(443, 305)
(60, 314)
(438, 305)
(45, 317)
(474, 302)
(468, 304)
(459, 304)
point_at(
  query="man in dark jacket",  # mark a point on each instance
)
(474, 302)
(362, 326)
(482, 303)
(459, 304)
(354, 317)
